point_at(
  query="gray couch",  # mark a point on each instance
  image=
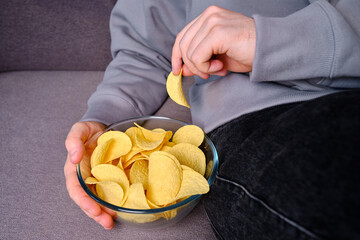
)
(52, 56)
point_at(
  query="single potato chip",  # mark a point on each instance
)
(120, 145)
(131, 132)
(134, 159)
(164, 178)
(165, 148)
(158, 130)
(193, 183)
(139, 173)
(137, 200)
(108, 172)
(99, 153)
(110, 192)
(91, 180)
(169, 214)
(190, 155)
(189, 134)
(147, 139)
(175, 90)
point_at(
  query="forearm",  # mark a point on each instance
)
(134, 82)
(130, 88)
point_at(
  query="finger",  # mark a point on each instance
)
(75, 141)
(77, 193)
(203, 54)
(184, 44)
(110, 212)
(105, 220)
(222, 72)
(80, 197)
(210, 18)
(176, 57)
(180, 49)
(176, 60)
(187, 73)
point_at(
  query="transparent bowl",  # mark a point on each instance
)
(158, 217)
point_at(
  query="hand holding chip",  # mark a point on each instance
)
(217, 41)
(78, 135)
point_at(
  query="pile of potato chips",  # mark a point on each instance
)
(147, 169)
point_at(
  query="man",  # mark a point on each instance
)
(274, 89)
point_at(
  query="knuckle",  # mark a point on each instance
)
(68, 143)
(195, 58)
(212, 9)
(219, 30)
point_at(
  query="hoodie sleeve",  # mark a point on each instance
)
(142, 35)
(321, 42)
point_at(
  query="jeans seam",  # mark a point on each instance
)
(270, 209)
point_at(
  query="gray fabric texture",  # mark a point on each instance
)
(37, 109)
(54, 35)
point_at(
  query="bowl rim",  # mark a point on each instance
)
(210, 180)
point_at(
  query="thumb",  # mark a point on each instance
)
(75, 142)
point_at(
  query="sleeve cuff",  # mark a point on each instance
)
(299, 46)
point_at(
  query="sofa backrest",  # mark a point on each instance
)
(55, 35)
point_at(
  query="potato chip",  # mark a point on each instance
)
(151, 204)
(134, 159)
(164, 178)
(120, 146)
(119, 164)
(131, 132)
(175, 90)
(170, 144)
(147, 139)
(130, 154)
(158, 130)
(165, 148)
(189, 134)
(137, 200)
(171, 156)
(169, 214)
(149, 152)
(91, 180)
(99, 153)
(139, 173)
(110, 192)
(192, 183)
(190, 155)
(108, 172)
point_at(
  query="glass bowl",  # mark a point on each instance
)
(157, 217)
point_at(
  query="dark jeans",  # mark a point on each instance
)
(289, 172)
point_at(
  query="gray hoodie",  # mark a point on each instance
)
(304, 50)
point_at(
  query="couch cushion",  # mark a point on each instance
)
(55, 35)
(37, 110)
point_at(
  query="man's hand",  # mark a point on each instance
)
(217, 41)
(78, 135)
